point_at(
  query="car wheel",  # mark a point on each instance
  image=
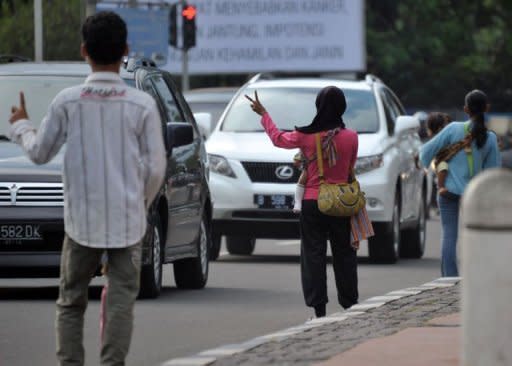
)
(384, 246)
(413, 240)
(192, 273)
(215, 248)
(151, 274)
(240, 245)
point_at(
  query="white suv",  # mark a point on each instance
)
(253, 182)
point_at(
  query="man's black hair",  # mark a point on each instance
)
(104, 35)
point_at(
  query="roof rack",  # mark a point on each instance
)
(370, 79)
(269, 76)
(131, 63)
(281, 75)
(256, 77)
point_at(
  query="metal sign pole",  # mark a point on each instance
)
(38, 30)
(90, 7)
(184, 72)
(184, 66)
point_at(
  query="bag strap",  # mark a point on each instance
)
(320, 162)
(319, 157)
(448, 152)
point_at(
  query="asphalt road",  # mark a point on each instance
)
(245, 297)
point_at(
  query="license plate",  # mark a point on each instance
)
(274, 201)
(19, 232)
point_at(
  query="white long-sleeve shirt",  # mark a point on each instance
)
(114, 160)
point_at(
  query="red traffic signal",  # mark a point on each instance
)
(188, 15)
(189, 12)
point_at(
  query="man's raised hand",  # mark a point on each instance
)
(20, 112)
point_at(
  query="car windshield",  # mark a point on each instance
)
(290, 107)
(39, 92)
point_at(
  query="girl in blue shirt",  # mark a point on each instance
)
(483, 154)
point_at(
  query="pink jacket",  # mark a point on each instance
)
(346, 145)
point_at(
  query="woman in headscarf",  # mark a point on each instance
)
(339, 150)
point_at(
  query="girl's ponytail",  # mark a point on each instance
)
(476, 102)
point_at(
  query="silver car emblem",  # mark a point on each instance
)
(284, 172)
(14, 190)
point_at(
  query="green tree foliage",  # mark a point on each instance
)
(61, 28)
(431, 52)
(16, 29)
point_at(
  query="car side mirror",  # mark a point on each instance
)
(404, 123)
(204, 123)
(178, 134)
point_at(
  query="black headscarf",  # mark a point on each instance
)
(330, 106)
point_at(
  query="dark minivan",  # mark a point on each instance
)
(31, 196)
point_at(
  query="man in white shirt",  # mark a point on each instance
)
(113, 169)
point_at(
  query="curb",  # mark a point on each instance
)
(209, 356)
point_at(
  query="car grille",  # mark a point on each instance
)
(267, 172)
(31, 194)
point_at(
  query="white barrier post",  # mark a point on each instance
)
(486, 246)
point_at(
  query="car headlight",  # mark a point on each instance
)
(369, 163)
(220, 165)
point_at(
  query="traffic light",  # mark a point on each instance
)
(173, 26)
(188, 14)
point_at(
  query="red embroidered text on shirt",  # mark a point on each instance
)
(94, 92)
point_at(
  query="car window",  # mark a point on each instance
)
(171, 108)
(389, 112)
(180, 100)
(290, 107)
(149, 87)
(395, 102)
(39, 92)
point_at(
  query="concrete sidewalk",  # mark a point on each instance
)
(413, 326)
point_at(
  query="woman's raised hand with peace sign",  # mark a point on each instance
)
(256, 104)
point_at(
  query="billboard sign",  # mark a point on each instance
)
(240, 36)
(147, 31)
(245, 36)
